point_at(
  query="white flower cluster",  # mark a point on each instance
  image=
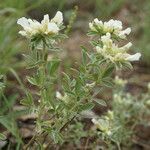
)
(113, 27)
(64, 98)
(111, 51)
(103, 125)
(119, 81)
(46, 27)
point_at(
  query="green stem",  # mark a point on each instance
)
(43, 76)
(118, 146)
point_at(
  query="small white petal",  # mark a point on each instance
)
(134, 57)
(91, 26)
(52, 28)
(106, 37)
(58, 18)
(23, 22)
(127, 46)
(98, 22)
(99, 49)
(35, 25)
(127, 31)
(45, 20)
(23, 33)
(94, 121)
(58, 95)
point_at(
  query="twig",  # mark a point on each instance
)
(47, 146)
(86, 144)
(118, 146)
(66, 124)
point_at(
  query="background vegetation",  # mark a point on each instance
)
(133, 13)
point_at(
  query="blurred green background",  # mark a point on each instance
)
(133, 13)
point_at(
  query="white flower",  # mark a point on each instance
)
(98, 22)
(46, 27)
(64, 97)
(45, 23)
(58, 95)
(106, 39)
(125, 32)
(58, 19)
(23, 22)
(52, 28)
(127, 46)
(134, 57)
(91, 26)
(111, 51)
(120, 81)
(23, 33)
(99, 49)
(110, 114)
(102, 124)
(113, 27)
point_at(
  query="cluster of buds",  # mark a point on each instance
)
(32, 28)
(107, 48)
(120, 82)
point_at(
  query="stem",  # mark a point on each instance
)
(42, 70)
(118, 146)
(43, 75)
(86, 144)
(62, 128)
(67, 123)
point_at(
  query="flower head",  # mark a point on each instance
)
(103, 125)
(114, 27)
(111, 51)
(46, 27)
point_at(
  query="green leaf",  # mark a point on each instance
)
(57, 137)
(94, 43)
(127, 65)
(53, 66)
(31, 80)
(2, 137)
(27, 101)
(84, 55)
(108, 72)
(108, 82)
(1, 77)
(2, 85)
(100, 101)
(87, 106)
